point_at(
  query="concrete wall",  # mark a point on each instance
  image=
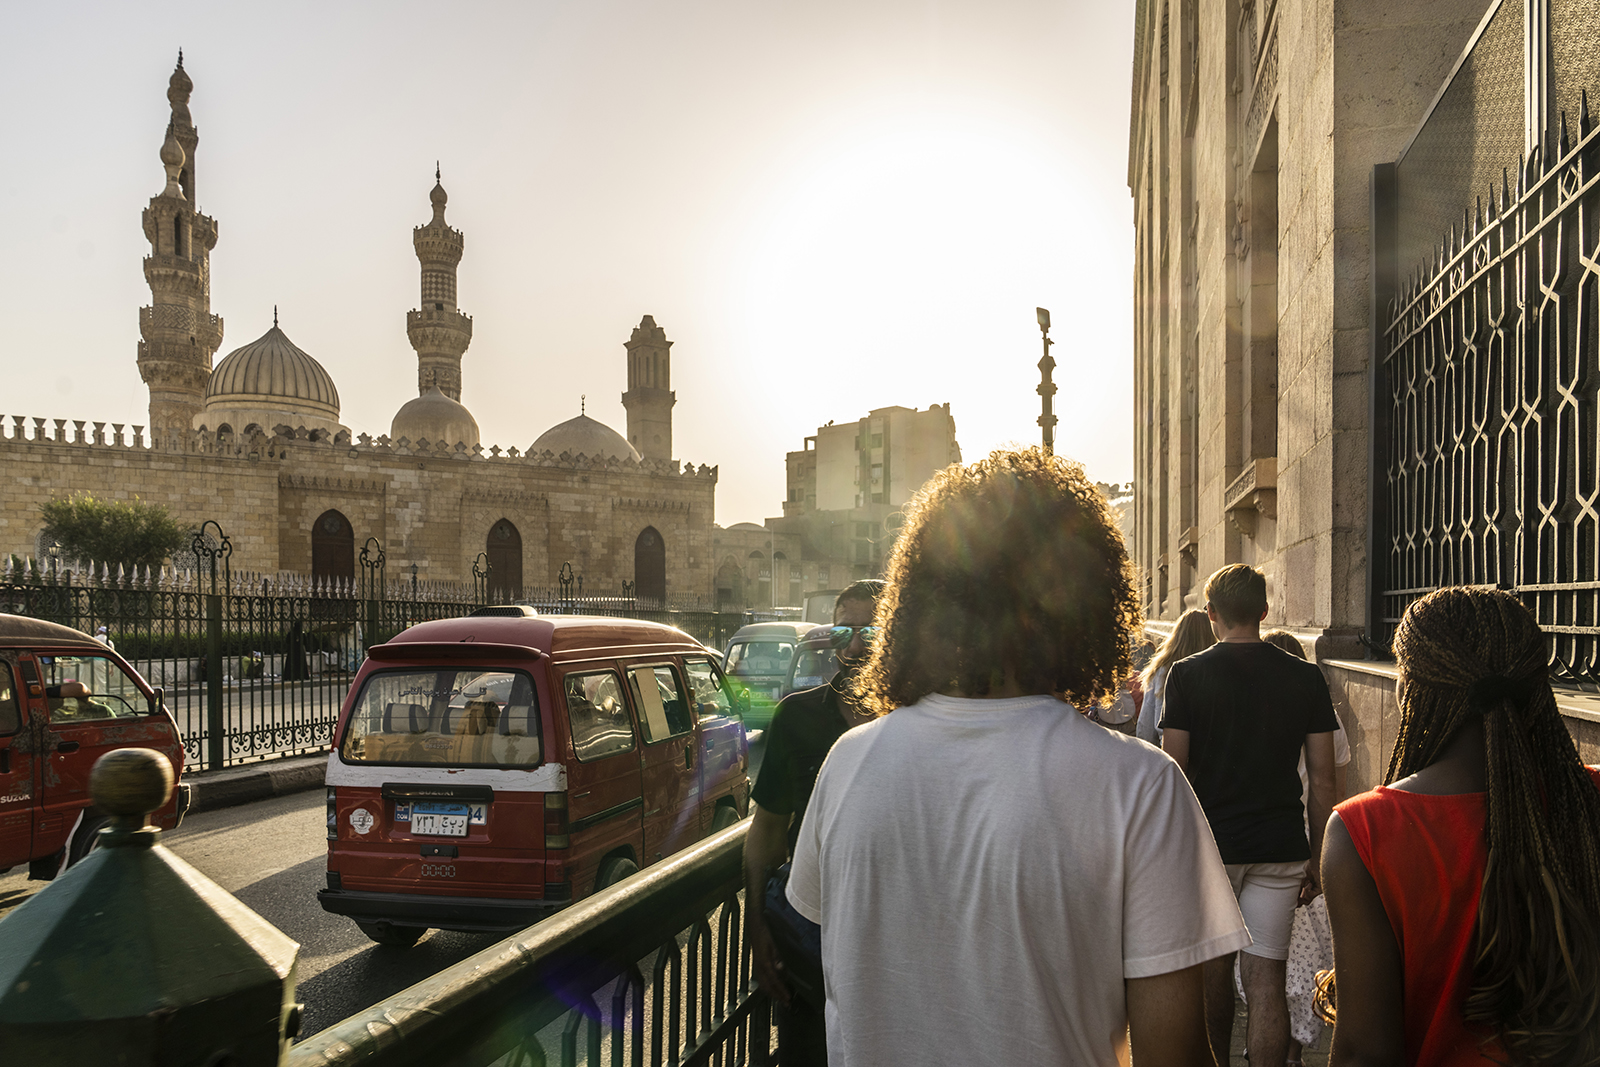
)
(1363, 695)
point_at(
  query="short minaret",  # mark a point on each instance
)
(179, 333)
(438, 331)
(649, 398)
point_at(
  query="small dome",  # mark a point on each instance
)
(438, 196)
(585, 436)
(274, 372)
(434, 417)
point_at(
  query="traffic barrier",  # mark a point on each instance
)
(695, 1005)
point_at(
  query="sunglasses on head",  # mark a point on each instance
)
(841, 636)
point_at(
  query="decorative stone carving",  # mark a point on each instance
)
(1253, 494)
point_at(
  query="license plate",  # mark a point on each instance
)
(439, 820)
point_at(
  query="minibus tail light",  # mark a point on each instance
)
(333, 815)
(555, 821)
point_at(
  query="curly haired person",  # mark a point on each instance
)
(998, 879)
(1465, 893)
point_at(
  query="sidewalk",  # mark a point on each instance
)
(255, 781)
(1311, 1058)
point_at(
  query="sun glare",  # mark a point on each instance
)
(908, 255)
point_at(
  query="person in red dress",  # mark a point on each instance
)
(1464, 894)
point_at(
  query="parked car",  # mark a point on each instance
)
(815, 661)
(758, 658)
(65, 701)
(489, 771)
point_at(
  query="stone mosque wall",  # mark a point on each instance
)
(427, 505)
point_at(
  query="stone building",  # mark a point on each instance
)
(255, 443)
(1322, 192)
(845, 490)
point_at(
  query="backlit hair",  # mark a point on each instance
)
(1012, 565)
(1238, 592)
(1192, 634)
(1469, 653)
(1286, 641)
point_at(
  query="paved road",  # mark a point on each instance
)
(272, 856)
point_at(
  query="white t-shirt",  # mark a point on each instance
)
(987, 872)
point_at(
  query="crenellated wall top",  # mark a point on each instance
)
(79, 433)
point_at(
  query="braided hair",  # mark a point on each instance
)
(1478, 653)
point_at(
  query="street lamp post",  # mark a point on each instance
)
(1047, 388)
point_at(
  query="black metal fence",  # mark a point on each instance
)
(654, 970)
(256, 666)
(1486, 455)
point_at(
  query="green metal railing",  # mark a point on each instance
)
(653, 970)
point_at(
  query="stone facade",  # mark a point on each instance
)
(1254, 129)
(434, 508)
(433, 504)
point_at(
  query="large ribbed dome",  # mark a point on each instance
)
(272, 367)
(434, 417)
(268, 383)
(584, 436)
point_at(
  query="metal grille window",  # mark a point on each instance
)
(1489, 364)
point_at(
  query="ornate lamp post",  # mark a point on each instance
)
(1047, 388)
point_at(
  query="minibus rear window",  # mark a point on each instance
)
(467, 717)
(750, 658)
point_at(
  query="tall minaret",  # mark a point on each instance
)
(649, 398)
(180, 335)
(438, 331)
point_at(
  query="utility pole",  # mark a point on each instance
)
(1047, 388)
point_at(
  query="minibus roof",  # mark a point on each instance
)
(552, 635)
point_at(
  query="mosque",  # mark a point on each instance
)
(255, 443)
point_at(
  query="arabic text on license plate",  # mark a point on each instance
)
(441, 820)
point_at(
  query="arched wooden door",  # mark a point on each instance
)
(505, 563)
(650, 565)
(333, 547)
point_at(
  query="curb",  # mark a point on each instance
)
(257, 781)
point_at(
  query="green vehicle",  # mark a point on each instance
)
(757, 662)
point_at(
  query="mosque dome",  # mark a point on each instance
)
(434, 417)
(585, 436)
(270, 382)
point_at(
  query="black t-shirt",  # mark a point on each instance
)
(1248, 707)
(803, 729)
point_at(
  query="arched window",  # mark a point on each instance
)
(505, 563)
(650, 565)
(333, 547)
(730, 584)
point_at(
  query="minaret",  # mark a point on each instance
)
(439, 332)
(180, 335)
(649, 398)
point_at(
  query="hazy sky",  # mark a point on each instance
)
(829, 206)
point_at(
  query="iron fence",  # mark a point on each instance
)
(654, 970)
(256, 666)
(1486, 455)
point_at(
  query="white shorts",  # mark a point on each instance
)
(1268, 893)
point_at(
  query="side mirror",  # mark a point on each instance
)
(155, 700)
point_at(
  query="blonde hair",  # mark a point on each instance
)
(1286, 641)
(1192, 634)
